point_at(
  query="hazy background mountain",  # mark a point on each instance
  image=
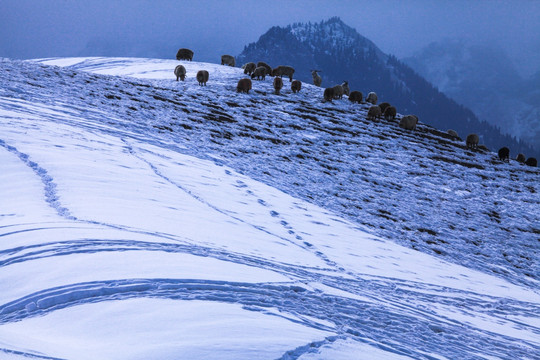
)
(343, 54)
(484, 79)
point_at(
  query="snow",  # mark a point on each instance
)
(342, 349)
(167, 330)
(127, 240)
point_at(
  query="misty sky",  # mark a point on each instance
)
(157, 28)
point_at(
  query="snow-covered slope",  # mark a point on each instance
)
(144, 218)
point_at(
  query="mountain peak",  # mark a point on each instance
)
(334, 23)
(325, 36)
(330, 33)
(341, 53)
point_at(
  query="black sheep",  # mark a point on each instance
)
(328, 94)
(504, 154)
(355, 97)
(531, 162)
(184, 54)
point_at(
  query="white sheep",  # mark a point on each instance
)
(408, 122)
(372, 98)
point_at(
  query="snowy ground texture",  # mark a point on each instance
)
(144, 218)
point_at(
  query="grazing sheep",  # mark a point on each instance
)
(338, 92)
(180, 72)
(260, 72)
(504, 154)
(249, 68)
(472, 141)
(390, 113)
(328, 94)
(355, 97)
(228, 60)
(372, 98)
(283, 70)
(202, 77)
(531, 162)
(317, 79)
(244, 85)
(278, 84)
(374, 112)
(266, 66)
(408, 122)
(453, 134)
(345, 86)
(184, 54)
(520, 158)
(296, 85)
(383, 106)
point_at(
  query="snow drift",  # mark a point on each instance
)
(144, 218)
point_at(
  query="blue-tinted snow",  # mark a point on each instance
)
(147, 218)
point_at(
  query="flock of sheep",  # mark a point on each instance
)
(259, 71)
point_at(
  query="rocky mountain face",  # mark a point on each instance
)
(341, 53)
(483, 79)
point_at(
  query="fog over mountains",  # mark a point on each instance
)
(484, 79)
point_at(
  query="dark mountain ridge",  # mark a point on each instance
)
(341, 53)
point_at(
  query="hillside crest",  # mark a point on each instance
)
(343, 54)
